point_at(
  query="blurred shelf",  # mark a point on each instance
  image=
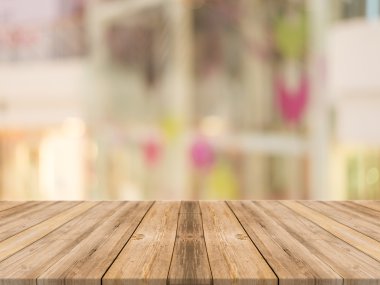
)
(266, 143)
(27, 99)
(114, 10)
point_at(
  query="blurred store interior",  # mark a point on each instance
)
(189, 99)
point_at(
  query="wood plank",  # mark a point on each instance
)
(362, 242)
(291, 260)
(366, 213)
(25, 219)
(353, 265)
(36, 258)
(147, 256)
(87, 262)
(191, 207)
(30, 235)
(238, 242)
(360, 210)
(190, 262)
(28, 208)
(4, 205)
(375, 205)
(349, 214)
(233, 257)
(22, 208)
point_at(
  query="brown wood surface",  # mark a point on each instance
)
(292, 261)
(190, 262)
(147, 256)
(190, 242)
(232, 255)
(4, 205)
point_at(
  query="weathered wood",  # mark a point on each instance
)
(233, 242)
(190, 262)
(233, 257)
(367, 213)
(36, 258)
(147, 256)
(10, 211)
(374, 205)
(28, 236)
(4, 205)
(191, 207)
(89, 260)
(353, 265)
(349, 214)
(25, 219)
(289, 258)
(362, 242)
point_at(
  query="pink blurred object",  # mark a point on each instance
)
(152, 151)
(292, 102)
(202, 153)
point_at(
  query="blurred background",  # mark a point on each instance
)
(189, 99)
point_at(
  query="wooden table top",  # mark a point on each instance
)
(233, 242)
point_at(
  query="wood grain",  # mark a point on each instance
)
(10, 211)
(190, 262)
(353, 265)
(4, 205)
(89, 260)
(375, 205)
(190, 242)
(33, 216)
(147, 256)
(349, 214)
(28, 236)
(289, 258)
(362, 242)
(366, 213)
(36, 258)
(233, 257)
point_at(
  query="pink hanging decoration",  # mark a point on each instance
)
(292, 102)
(152, 151)
(202, 153)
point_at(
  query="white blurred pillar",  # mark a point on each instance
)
(319, 15)
(178, 89)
